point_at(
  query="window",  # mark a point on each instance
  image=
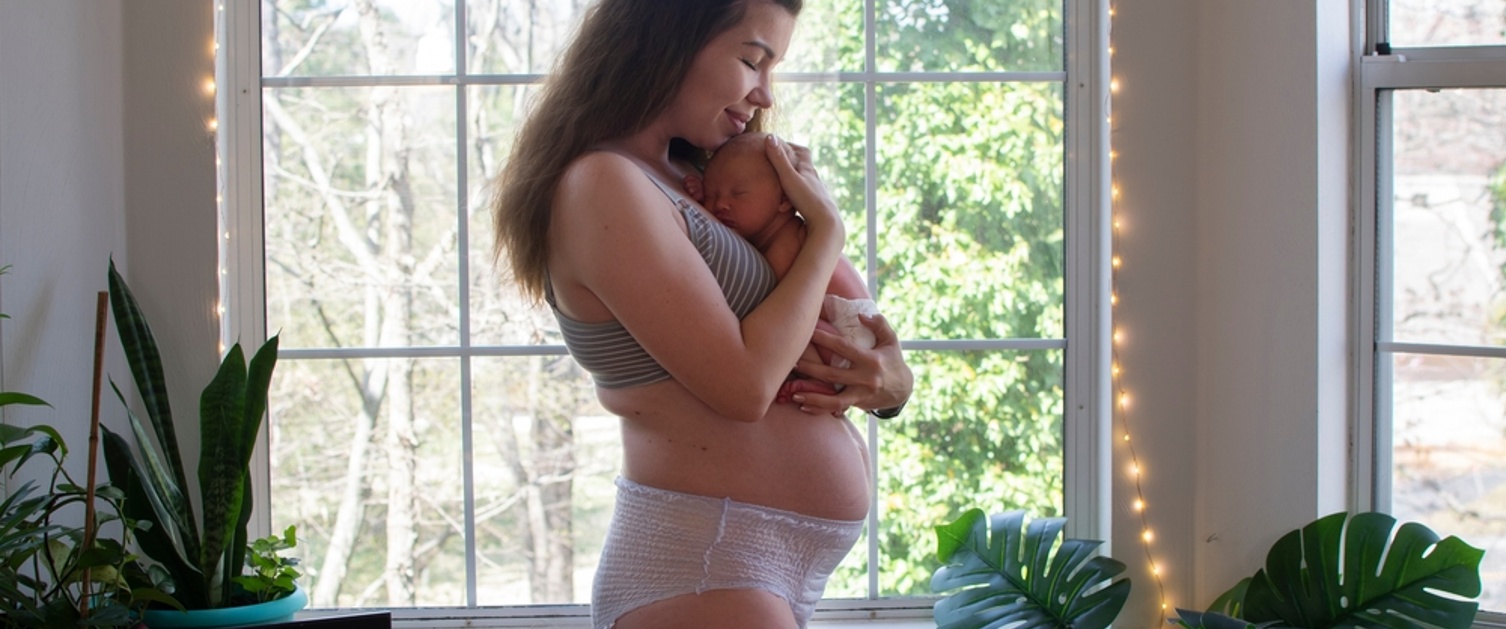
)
(430, 437)
(1433, 251)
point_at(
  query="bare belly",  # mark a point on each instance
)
(811, 464)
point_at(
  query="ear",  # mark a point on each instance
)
(784, 203)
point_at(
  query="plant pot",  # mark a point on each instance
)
(280, 610)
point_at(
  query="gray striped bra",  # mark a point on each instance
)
(609, 352)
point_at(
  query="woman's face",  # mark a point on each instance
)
(729, 79)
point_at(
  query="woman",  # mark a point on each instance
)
(731, 510)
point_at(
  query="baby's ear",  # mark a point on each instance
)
(784, 203)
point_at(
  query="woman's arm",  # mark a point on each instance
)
(618, 249)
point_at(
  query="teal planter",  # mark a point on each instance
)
(280, 610)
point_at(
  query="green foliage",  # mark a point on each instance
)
(1343, 571)
(43, 554)
(197, 559)
(272, 576)
(1019, 576)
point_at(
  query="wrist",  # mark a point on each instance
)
(889, 413)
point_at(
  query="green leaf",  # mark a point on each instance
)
(158, 542)
(8, 398)
(1341, 571)
(170, 507)
(1011, 575)
(221, 477)
(146, 366)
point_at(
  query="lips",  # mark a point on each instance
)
(740, 121)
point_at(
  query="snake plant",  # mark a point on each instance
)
(197, 557)
(1350, 571)
(1010, 576)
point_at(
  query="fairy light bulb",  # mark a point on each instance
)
(1136, 480)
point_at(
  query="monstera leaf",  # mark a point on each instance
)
(1013, 578)
(1340, 571)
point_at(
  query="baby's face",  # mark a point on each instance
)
(742, 189)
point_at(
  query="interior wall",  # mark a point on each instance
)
(1271, 192)
(62, 209)
(105, 151)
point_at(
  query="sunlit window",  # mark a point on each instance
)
(430, 437)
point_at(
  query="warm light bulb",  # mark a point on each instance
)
(214, 125)
(1139, 505)
(1114, 368)
(1155, 570)
(1126, 436)
(1113, 299)
(1147, 535)
(1114, 86)
(1115, 191)
(1111, 51)
(1134, 469)
(1116, 261)
(1118, 336)
(1124, 400)
(209, 85)
(1113, 155)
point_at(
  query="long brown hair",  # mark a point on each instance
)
(625, 64)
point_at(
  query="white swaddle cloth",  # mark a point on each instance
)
(843, 313)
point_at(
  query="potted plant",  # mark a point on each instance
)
(1345, 570)
(1015, 575)
(200, 557)
(56, 570)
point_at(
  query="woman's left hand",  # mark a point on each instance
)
(877, 378)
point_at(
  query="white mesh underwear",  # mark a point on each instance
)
(664, 544)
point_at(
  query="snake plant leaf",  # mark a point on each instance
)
(1341, 571)
(170, 507)
(146, 367)
(1010, 576)
(221, 475)
(258, 383)
(157, 541)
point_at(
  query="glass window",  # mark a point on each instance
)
(432, 440)
(1435, 359)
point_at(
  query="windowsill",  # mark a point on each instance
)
(838, 614)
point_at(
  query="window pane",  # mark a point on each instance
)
(545, 455)
(942, 35)
(970, 209)
(366, 459)
(1449, 239)
(500, 315)
(334, 37)
(360, 216)
(1449, 454)
(828, 118)
(828, 38)
(511, 37)
(986, 433)
(1447, 22)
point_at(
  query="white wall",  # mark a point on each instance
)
(1229, 129)
(104, 151)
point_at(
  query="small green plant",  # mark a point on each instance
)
(271, 575)
(1351, 571)
(56, 569)
(1013, 578)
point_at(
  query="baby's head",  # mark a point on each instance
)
(742, 189)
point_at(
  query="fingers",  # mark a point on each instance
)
(883, 333)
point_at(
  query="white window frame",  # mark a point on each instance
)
(1441, 67)
(1086, 360)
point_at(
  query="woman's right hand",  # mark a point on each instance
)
(802, 184)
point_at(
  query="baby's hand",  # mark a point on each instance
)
(693, 188)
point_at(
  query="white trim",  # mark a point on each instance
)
(1087, 389)
(1438, 349)
(239, 134)
(780, 77)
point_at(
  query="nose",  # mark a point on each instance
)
(762, 95)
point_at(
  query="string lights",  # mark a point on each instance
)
(211, 90)
(1122, 398)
